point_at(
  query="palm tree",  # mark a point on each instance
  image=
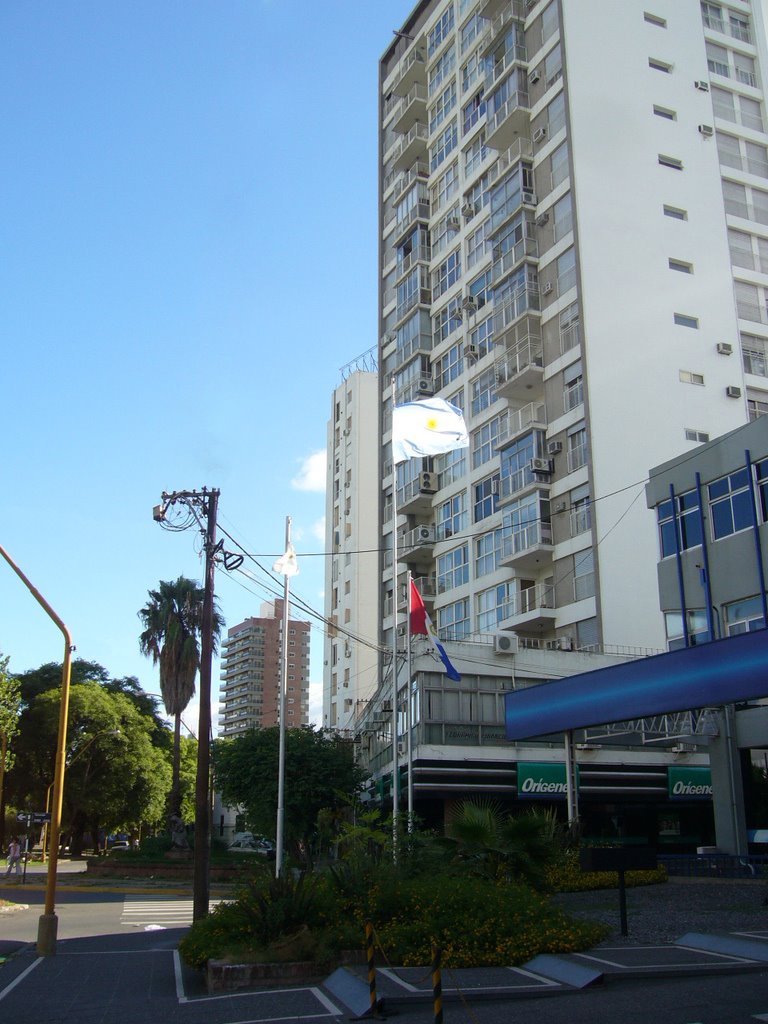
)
(172, 620)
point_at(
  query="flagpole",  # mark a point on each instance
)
(409, 687)
(395, 780)
(281, 712)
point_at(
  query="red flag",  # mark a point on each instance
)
(421, 625)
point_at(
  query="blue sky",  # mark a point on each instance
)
(188, 247)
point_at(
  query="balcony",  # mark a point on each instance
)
(509, 121)
(420, 254)
(516, 484)
(527, 550)
(495, 8)
(524, 300)
(505, 263)
(529, 609)
(522, 147)
(413, 68)
(520, 370)
(421, 296)
(418, 172)
(410, 109)
(419, 212)
(409, 148)
(416, 546)
(516, 56)
(532, 416)
(415, 388)
(427, 587)
(416, 497)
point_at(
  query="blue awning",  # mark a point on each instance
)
(716, 673)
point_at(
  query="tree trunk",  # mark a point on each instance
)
(174, 799)
(3, 755)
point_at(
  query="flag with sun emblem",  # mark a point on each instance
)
(430, 427)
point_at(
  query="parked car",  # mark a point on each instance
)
(257, 845)
(120, 844)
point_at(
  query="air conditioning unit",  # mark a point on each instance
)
(468, 210)
(559, 506)
(504, 643)
(534, 76)
(472, 351)
(565, 643)
(387, 338)
(425, 534)
(453, 224)
(701, 85)
(542, 219)
(427, 483)
(495, 488)
(547, 288)
(402, 748)
(530, 198)
(706, 130)
(540, 134)
(425, 386)
(541, 465)
(530, 4)
(469, 303)
(733, 392)
(554, 447)
(724, 349)
(336, 537)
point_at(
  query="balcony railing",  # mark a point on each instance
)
(522, 147)
(422, 296)
(577, 457)
(528, 353)
(532, 415)
(526, 601)
(580, 520)
(505, 263)
(516, 54)
(405, 179)
(523, 540)
(514, 306)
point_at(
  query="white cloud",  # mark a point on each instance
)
(311, 476)
(318, 529)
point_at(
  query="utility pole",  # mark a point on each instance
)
(205, 501)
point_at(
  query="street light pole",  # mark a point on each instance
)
(49, 923)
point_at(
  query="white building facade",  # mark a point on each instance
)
(574, 250)
(350, 671)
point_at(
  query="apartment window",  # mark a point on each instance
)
(450, 467)
(670, 115)
(453, 569)
(447, 274)
(549, 22)
(453, 620)
(756, 158)
(744, 616)
(477, 245)
(469, 32)
(584, 576)
(485, 440)
(440, 32)
(761, 473)
(675, 212)
(569, 327)
(451, 517)
(699, 436)
(683, 320)
(712, 16)
(740, 246)
(472, 112)
(754, 355)
(443, 107)
(448, 367)
(445, 231)
(445, 144)
(471, 72)
(573, 386)
(446, 321)
(687, 377)
(576, 448)
(556, 114)
(654, 19)
(659, 65)
(479, 194)
(581, 510)
(492, 607)
(750, 302)
(717, 60)
(688, 523)
(442, 70)
(739, 27)
(488, 551)
(730, 504)
(670, 161)
(744, 69)
(481, 337)
(756, 407)
(474, 155)
(553, 66)
(566, 271)
(483, 391)
(681, 266)
(484, 495)
(558, 163)
(446, 186)
(562, 215)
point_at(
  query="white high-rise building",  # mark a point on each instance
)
(351, 654)
(574, 250)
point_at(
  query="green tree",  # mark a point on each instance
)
(115, 777)
(320, 774)
(10, 712)
(172, 620)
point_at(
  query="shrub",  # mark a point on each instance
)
(565, 875)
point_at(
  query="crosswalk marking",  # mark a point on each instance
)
(156, 912)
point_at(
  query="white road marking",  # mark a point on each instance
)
(9, 988)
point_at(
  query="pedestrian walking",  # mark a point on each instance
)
(14, 856)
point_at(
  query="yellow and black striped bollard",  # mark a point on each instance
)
(437, 985)
(371, 967)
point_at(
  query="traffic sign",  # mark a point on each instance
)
(33, 817)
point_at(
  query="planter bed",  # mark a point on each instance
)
(105, 867)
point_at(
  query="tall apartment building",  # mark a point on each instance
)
(251, 670)
(350, 674)
(574, 250)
